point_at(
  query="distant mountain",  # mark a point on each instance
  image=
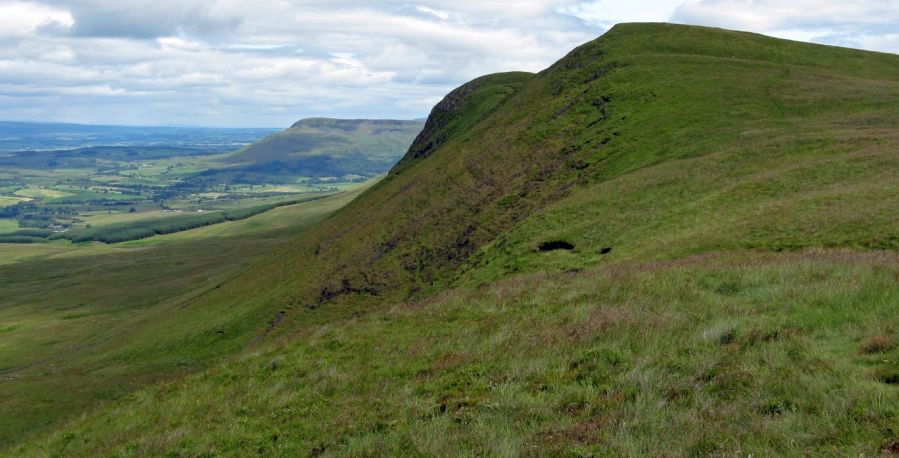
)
(21, 136)
(321, 146)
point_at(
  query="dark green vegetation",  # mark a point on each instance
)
(141, 229)
(675, 241)
(321, 147)
(92, 157)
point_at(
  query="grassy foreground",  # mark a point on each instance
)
(737, 354)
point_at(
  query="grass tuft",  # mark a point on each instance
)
(878, 344)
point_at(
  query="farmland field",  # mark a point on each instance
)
(40, 202)
(143, 186)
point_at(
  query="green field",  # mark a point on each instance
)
(41, 193)
(92, 200)
(8, 225)
(675, 241)
(13, 253)
(10, 200)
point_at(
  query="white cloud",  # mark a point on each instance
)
(224, 62)
(606, 13)
(256, 47)
(887, 42)
(21, 18)
(776, 14)
(181, 44)
(867, 24)
(440, 14)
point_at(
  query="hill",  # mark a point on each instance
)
(675, 240)
(330, 147)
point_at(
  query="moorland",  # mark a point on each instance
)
(674, 241)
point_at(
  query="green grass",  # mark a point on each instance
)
(104, 218)
(725, 354)
(6, 201)
(149, 227)
(281, 218)
(8, 225)
(71, 337)
(13, 253)
(729, 291)
(42, 193)
(87, 196)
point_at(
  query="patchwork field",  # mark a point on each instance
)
(119, 193)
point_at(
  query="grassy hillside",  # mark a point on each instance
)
(80, 326)
(674, 241)
(772, 355)
(330, 147)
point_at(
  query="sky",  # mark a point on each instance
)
(268, 63)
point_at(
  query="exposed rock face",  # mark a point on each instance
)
(431, 136)
(433, 133)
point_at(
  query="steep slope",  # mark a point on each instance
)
(331, 147)
(731, 130)
(699, 229)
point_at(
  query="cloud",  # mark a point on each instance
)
(230, 62)
(22, 19)
(277, 61)
(440, 14)
(774, 14)
(887, 42)
(152, 18)
(606, 13)
(867, 24)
